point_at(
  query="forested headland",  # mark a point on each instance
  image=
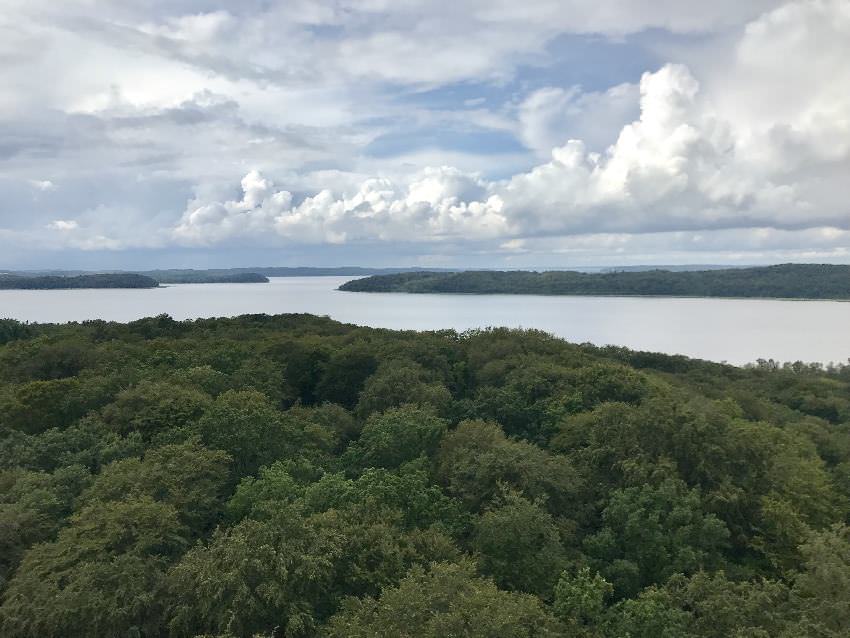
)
(294, 476)
(52, 282)
(788, 281)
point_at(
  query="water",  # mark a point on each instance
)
(734, 330)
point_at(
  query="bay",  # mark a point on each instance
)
(734, 330)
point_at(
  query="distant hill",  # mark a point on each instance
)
(342, 271)
(206, 277)
(124, 280)
(793, 281)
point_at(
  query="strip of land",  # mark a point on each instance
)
(785, 281)
(50, 282)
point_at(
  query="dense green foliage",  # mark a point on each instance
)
(50, 282)
(293, 476)
(792, 281)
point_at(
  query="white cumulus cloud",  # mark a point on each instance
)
(688, 163)
(438, 203)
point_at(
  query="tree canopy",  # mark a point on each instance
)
(291, 476)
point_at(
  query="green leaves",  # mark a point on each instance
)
(395, 437)
(152, 408)
(11, 330)
(822, 589)
(187, 476)
(247, 426)
(182, 478)
(400, 382)
(251, 578)
(651, 532)
(580, 597)
(104, 573)
(446, 600)
(476, 458)
(519, 545)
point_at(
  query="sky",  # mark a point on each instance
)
(476, 133)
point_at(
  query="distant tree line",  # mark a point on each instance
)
(206, 277)
(793, 281)
(291, 476)
(120, 280)
(148, 279)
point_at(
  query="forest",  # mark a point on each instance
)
(294, 476)
(788, 281)
(53, 282)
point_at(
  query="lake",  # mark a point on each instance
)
(734, 330)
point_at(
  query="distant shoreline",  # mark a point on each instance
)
(596, 296)
(127, 280)
(79, 282)
(791, 282)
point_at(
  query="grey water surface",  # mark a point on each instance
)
(734, 330)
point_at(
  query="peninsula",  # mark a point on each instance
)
(785, 281)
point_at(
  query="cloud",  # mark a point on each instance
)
(620, 17)
(103, 228)
(42, 185)
(748, 246)
(135, 108)
(438, 203)
(687, 164)
(549, 115)
(310, 42)
(63, 224)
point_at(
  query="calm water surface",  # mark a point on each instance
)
(737, 331)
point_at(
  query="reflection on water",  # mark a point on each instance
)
(737, 331)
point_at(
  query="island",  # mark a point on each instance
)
(53, 282)
(785, 281)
